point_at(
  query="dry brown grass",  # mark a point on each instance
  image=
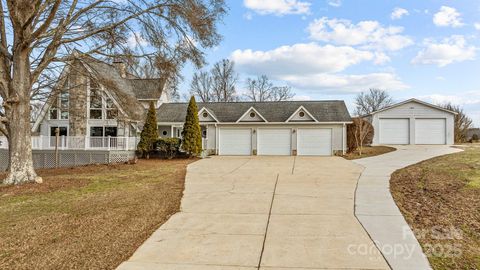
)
(369, 151)
(90, 217)
(441, 197)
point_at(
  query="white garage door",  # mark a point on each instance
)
(430, 131)
(274, 142)
(394, 131)
(235, 142)
(314, 142)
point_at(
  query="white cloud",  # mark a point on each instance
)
(447, 16)
(477, 25)
(278, 7)
(315, 67)
(302, 58)
(344, 84)
(135, 39)
(448, 51)
(469, 101)
(398, 13)
(466, 98)
(335, 3)
(368, 34)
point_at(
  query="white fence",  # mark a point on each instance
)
(78, 142)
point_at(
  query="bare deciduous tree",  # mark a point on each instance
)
(371, 101)
(461, 123)
(360, 130)
(224, 79)
(217, 85)
(261, 89)
(201, 86)
(36, 35)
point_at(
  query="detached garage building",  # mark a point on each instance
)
(413, 122)
(264, 128)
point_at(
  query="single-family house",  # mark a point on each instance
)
(96, 105)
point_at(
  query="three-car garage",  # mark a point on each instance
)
(281, 141)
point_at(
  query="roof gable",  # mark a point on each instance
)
(252, 115)
(301, 115)
(204, 115)
(415, 101)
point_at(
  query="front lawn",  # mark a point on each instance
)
(90, 217)
(369, 151)
(440, 199)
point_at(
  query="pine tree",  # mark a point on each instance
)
(149, 133)
(192, 133)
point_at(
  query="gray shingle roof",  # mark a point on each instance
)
(127, 91)
(323, 111)
(147, 88)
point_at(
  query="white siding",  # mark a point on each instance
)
(338, 140)
(413, 110)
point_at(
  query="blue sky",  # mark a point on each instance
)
(332, 49)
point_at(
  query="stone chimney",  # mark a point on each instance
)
(121, 67)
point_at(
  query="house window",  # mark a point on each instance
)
(64, 104)
(54, 111)
(164, 133)
(301, 114)
(95, 104)
(205, 115)
(96, 131)
(252, 114)
(59, 108)
(62, 131)
(101, 106)
(111, 111)
(111, 131)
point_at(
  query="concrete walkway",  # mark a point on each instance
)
(378, 213)
(263, 213)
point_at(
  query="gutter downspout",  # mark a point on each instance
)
(344, 138)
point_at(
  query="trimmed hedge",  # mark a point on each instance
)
(168, 147)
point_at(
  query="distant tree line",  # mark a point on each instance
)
(220, 84)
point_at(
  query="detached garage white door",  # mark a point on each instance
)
(314, 142)
(274, 141)
(394, 131)
(430, 131)
(235, 142)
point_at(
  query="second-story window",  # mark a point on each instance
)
(95, 103)
(59, 108)
(110, 109)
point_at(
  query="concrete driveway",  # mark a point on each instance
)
(377, 211)
(263, 213)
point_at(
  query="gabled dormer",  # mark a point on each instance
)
(301, 115)
(205, 115)
(252, 115)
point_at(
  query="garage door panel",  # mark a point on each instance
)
(314, 142)
(274, 141)
(235, 142)
(394, 131)
(430, 131)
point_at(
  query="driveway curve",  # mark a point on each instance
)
(264, 213)
(378, 213)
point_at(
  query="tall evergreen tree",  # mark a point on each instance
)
(149, 133)
(192, 133)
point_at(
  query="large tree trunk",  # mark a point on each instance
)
(17, 109)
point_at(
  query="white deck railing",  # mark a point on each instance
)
(79, 142)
